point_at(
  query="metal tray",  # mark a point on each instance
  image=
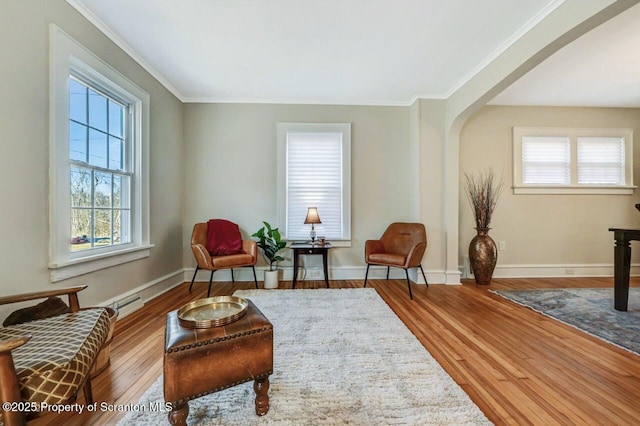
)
(212, 312)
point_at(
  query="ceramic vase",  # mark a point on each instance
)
(271, 279)
(483, 255)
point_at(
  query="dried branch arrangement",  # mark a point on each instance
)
(483, 191)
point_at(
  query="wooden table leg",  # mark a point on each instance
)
(178, 414)
(622, 265)
(325, 267)
(295, 267)
(261, 388)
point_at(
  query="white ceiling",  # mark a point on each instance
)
(372, 52)
(601, 68)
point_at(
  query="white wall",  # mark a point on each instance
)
(567, 22)
(230, 161)
(24, 163)
(546, 234)
(224, 168)
(432, 187)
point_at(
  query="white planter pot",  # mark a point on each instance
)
(271, 279)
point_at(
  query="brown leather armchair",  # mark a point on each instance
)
(214, 263)
(402, 246)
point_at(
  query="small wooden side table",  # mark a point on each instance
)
(307, 248)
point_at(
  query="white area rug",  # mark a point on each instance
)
(341, 356)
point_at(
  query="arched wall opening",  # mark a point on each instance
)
(441, 126)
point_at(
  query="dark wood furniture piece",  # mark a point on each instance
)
(402, 246)
(49, 360)
(306, 248)
(622, 265)
(201, 361)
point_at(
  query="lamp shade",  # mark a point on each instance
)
(312, 215)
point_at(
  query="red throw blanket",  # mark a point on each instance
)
(223, 238)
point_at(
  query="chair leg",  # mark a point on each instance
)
(232, 279)
(255, 279)
(210, 280)
(387, 273)
(424, 276)
(10, 390)
(194, 277)
(406, 271)
(366, 275)
(88, 395)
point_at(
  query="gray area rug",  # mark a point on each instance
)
(341, 356)
(587, 309)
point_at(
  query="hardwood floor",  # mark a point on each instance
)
(518, 366)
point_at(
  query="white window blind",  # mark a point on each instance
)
(546, 160)
(314, 170)
(558, 160)
(314, 179)
(601, 161)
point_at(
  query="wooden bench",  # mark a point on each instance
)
(47, 361)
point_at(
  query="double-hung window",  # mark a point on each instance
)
(572, 161)
(98, 163)
(314, 170)
(100, 168)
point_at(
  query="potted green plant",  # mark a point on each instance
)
(270, 242)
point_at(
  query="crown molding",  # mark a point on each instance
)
(294, 101)
(102, 27)
(528, 26)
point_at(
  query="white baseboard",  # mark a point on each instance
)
(554, 270)
(338, 273)
(145, 292)
(165, 283)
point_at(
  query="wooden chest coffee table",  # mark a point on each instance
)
(198, 362)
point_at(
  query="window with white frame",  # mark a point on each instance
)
(572, 161)
(98, 155)
(314, 170)
(100, 166)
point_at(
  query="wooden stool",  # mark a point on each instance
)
(203, 361)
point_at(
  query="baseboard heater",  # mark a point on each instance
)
(128, 305)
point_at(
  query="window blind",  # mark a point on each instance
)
(601, 161)
(546, 160)
(314, 179)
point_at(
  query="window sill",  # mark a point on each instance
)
(575, 190)
(76, 267)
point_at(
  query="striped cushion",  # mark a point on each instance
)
(54, 363)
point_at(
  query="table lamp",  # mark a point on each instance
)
(312, 218)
